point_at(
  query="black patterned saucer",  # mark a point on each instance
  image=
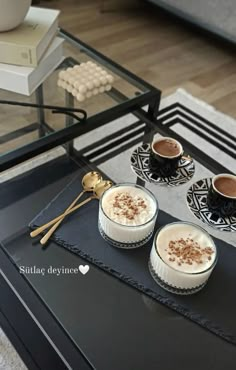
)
(140, 165)
(196, 200)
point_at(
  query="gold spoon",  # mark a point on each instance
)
(89, 181)
(99, 189)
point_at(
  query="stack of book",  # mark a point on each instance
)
(30, 53)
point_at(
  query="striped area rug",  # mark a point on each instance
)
(9, 359)
(209, 130)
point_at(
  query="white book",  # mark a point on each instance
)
(26, 44)
(25, 80)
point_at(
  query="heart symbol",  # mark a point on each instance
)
(84, 269)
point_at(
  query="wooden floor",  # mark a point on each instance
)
(157, 47)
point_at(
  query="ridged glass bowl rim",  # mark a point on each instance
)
(130, 184)
(196, 226)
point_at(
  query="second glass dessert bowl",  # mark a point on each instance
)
(127, 215)
(182, 258)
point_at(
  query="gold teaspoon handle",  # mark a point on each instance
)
(61, 217)
(53, 228)
(45, 226)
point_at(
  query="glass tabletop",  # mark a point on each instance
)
(30, 130)
(102, 314)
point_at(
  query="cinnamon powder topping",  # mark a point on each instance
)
(187, 251)
(128, 206)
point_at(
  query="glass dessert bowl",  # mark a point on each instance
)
(127, 215)
(182, 258)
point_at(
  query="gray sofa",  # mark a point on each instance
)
(217, 16)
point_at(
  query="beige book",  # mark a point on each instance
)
(25, 80)
(26, 44)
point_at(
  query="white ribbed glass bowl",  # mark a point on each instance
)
(173, 280)
(126, 236)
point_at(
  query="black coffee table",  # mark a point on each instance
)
(93, 321)
(85, 322)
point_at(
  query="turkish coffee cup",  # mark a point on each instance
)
(221, 197)
(165, 155)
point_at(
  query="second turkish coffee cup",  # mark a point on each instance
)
(165, 155)
(221, 198)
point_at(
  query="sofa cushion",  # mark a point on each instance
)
(218, 16)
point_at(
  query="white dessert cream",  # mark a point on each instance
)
(127, 213)
(183, 255)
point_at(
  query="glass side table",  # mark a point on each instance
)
(26, 132)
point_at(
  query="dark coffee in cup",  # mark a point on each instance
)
(221, 198)
(166, 147)
(165, 155)
(226, 186)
